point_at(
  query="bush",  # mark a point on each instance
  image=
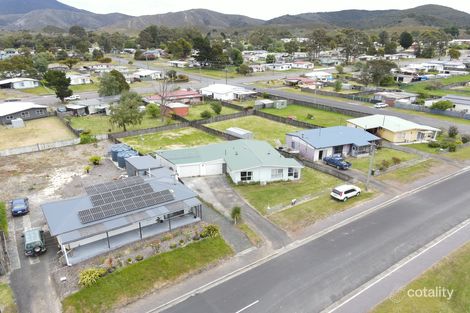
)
(210, 231)
(396, 161)
(442, 105)
(452, 147)
(105, 60)
(90, 276)
(310, 116)
(87, 138)
(153, 110)
(139, 257)
(434, 144)
(265, 95)
(216, 107)
(465, 138)
(453, 131)
(173, 246)
(95, 160)
(167, 237)
(183, 78)
(87, 169)
(206, 114)
(384, 165)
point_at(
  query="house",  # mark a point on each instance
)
(299, 81)
(148, 75)
(239, 133)
(79, 79)
(266, 104)
(179, 64)
(320, 76)
(243, 160)
(186, 96)
(76, 109)
(395, 129)
(176, 108)
(114, 214)
(19, 83)
(24, 110)
(8, 53)
(302, 65)
(57, 67)
(391, 98)
(141, 165)
(226, 92)
(279, 66)
(461, 103)
(315, 144)
(97, 105)
(258, 68)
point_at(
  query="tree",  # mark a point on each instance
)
(384, 38)
(270, 58)
(453, 31)
(216, 107)
(41, 61)
(453, 131)
(406, 40)
(317, 41)
(354, 43)
(292, 46)
(206, 114)
(61, 55)
(123, 85)
(97, 54)
(340, 69)
(127, 112)
(109, 86)
(454, 53)
(152, 110)
(57, 81)
(442, 105)
(338, 85)
(390, 48)
(77, 31)
(244, 69)
(379, 70)
(236, 57)
(70, 62)
(236, 214)
(172, 75)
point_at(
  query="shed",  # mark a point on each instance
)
(17, 123)
(141, 165)
(176, 108)
(239, 133)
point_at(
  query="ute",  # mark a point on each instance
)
(337, 161)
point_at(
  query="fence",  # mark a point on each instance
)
(232, 105)
(285, 120)
(149, 130)
(422, 108)
(356, 97)
(4, 259)
(39, 147)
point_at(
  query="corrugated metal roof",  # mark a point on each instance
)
(143, 162)
(392, 123)
(7, 108)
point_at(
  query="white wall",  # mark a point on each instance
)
(261, 174)
(25, 84)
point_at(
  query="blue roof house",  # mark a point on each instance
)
(315, 144)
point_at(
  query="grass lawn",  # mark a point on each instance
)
(362, 164)
(451, 273)
(252, 236)
(3, 218)
(85, 88)
(196, 110)
(7, 302)
(424, 147)
(320, 117)
(39, 91)
(99, 124)
(411, 173)
(314, 95)
(307, 213)
(136, 280)
(42, 130)
(263, 129)
(460, 154)
(213, 73)
(451, 119)
(281, 193)
(343, 91)
(172, 139)
(420, 87)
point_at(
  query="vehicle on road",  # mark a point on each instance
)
(61, 109)
(337, 161)
(19, 206)
(344, 192)
(72, 97)
(34, 242)
(380, 105)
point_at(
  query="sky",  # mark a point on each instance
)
(263, 9)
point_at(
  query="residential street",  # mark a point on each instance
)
(315, 275)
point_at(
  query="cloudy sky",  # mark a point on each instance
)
(264, 9)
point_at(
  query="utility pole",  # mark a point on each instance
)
(371, 164)
(226, 78)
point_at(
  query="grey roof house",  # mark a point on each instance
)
(24, 110)
(111, 215)
(141, 165)
(315, 144)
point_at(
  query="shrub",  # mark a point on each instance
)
(465, 138)
(95, 160)
(87, 169)
(153, 110)
(206, 114)
(139, 257)
(265, 95)
(396, 161)
(216, 107)
(310, 116)
(453, 131)
(90, 276)
(196, 237)
(210, 231)
(434, 144)
(129, 260)
(105, 60)
(452, 147)
(384, 165)
(173, 246)
(167, 237)
(236, 214)
(87, 138)
(442, 105)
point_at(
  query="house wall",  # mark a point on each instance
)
(80, 81)
(26, 115)
(199, 169)
(398, 137)
(25, 84)
(262, 175)
(310, 153)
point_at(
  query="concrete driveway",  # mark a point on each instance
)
(217, 191)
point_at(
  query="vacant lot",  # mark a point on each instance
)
(281, 193)
(311, 115)
(172, 139)
(410, 173)
(99, 124)
(381, 155)
(462, 153)
(426, 88)
(196, 110)
(43, 130)
(452, 273)
(451, 119)
(263, 129)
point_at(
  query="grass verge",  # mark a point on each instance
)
(460, 154)
(136, 280)
(3, 218)
(383, 154)
(7, 301)
(411, 173)
(252, 236)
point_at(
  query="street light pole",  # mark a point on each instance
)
(371, 163)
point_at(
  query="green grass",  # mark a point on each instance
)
(231, 72)
(3, 218)
(307, 213)
(451, 119)
(462, 153)
(281, 193)
(85, 88)
(196, 110)
(411, 173)
(424, 148)
(320, 117)
(172, 139)
(39, 91)
(7, 301)
(263, 129)
(99, 124)
(420, 87)
(136, 280)
(254, 238)
(451, 273)
(362, 164)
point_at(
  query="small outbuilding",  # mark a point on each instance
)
(141, 165)
(239, 133)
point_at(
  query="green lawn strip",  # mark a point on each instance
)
(424, 147)
(196, 110)
(320, 117)
(254, 238)
(420, 87)
(38, 91)
(462, 153)
(7, 301)
(451, 119)
(99, 124)
(314, 95)
(307, 213)
(136, 280)
(263, 129)
(213, 73)
(85, 87)
(411, 173)
(3, 218)
(451, 273)
(362, 164)
(172, 139)
(281, 193)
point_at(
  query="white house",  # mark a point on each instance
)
(279, 66)
(179, 64)
(79, 79)
(302, 65)
(243, 160)
(148, 74)
(19, 83)
(320, 76)
(225, 92)
(258, 68)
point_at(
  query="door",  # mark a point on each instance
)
(189, 170)
(320, 155)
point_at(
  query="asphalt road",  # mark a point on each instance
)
(315, 275)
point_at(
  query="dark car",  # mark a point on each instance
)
(19, 206)
(337, 161)
(34, 242)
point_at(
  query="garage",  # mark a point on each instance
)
(190, 170)
(200, 169)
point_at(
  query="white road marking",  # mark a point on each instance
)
(247, 307)
(246, 251)
(34, 260)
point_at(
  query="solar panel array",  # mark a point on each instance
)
(119, 184)
(129, 197)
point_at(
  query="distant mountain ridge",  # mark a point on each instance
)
(37, 14)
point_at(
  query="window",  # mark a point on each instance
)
(24, 114)
(9, 117)
(246, 176)
(174, 214)
(293, 172)
(40, 112)
(276, 173)
(338, 150)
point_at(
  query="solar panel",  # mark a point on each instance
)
(101, 188)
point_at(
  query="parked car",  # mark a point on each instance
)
(61, 109)
(72, 97)
(34, 242)
(337, 161)
(344, 192)
(19, 206)
(380, 105)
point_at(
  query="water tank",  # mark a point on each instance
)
(115, 149)
(123, 155)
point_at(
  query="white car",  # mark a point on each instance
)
(72, 97)
(344, 192)
(380, 105)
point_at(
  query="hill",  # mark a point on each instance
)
(26, 6)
